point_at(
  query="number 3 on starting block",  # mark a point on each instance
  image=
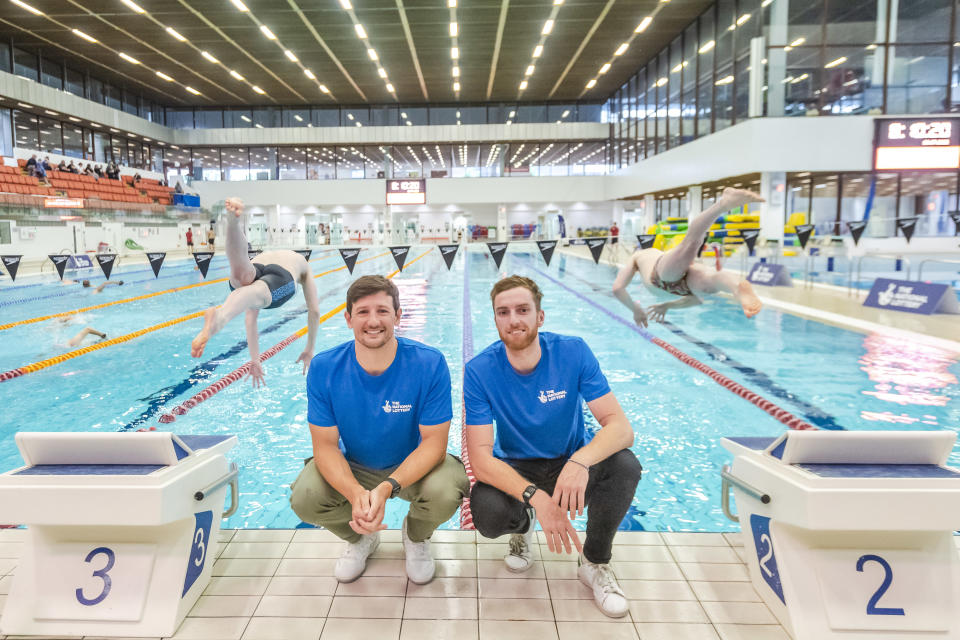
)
(198, 552)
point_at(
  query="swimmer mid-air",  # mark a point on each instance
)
(677, 273)
(264, 283)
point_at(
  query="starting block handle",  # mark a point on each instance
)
(231, 478)
(728, 479)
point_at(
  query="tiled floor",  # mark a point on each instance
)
(278, 584)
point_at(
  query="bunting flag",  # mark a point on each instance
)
(156, 261)
(907, 226)
(750, 238)
(546, 249)
(856, 230)
(60, 262)
(449, 252)
(400, 255)
(645, 241)
(306, 253)
(203, 261)
(11, 264)
(107, 261)
(803, 234)
(253, 253)
(349, 258)
(497, 251)
(955, 216)
(596, 248)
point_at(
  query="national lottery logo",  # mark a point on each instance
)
(884, 298)
(396, 407)
(550, 395)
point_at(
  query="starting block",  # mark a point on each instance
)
(850, 534)
(120, 530)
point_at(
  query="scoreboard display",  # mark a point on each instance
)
(910, 144)
(406, 191)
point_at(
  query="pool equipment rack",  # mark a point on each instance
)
(121, 530)
(849, 534)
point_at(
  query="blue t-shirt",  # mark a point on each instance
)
(379, 416)
(540, 414)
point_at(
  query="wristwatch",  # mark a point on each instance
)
(528, 494)
(396, 487)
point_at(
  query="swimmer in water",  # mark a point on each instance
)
(676, 272)
(87, 284)
(87, 331)
(266, 282)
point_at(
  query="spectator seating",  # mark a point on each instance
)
(73, 185)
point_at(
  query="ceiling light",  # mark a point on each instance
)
(834, 63)
(389, 87)
(798, 42)
(350, 116)
(361, 32)
(176, 34)
(258, 126)
(323, 88)
(530, 70)
(456, 72)
(239, 5)
(410, 124)
(538, 51)
(605, 68)
(565, 113)
(454, 29)
(309, 74)
(523, 85)
(75, 119)
(724, 80)
(373, 54)
(164, 76)
(643, 24)
(129, 59)
(871, 47)
(192, 90)
(381, 72)
(455, 53)
(766, 3)
(592, 83)
(743, 19)
(707, 46)
(298, 119)
(257, 89)
(547, 27)
(24, 5)
(456, 86)
(452, 4)
(236, 75)
(77, 32)
(662, 81)
(266, 31)
(346, 4)
(290, 55)
(621, 49)
(133, 5)
(206, 54)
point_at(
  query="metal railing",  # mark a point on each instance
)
(728, 480)
(857, 265)
(937, 260)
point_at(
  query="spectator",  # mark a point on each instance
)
(136, 178)
(98, 170)
(32, 164)
(178, 188)
(62, 166)
(72, 168)
(113, 171)
(88, 171)
(46, 164)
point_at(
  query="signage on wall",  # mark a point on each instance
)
(911, 296)
(406, 191)
(916, 143)
(63, 203)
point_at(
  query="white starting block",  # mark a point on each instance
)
(850, 534)
(121, 528)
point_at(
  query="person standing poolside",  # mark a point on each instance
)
(190, 240)
(537, 465)
(379, 411)
(267, 282)
(212, 237)
(677, 273)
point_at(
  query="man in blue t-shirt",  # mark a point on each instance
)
(538, 465)
(379, 411)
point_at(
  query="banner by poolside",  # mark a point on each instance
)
(106, 262)
(804, 231)
(156, 261)
(253, 253)
(955, 216)
(856, 230)
(596, 248)
(645, 241)
(907, 226)
(546, 249)
(203, 261)
(770, 275)
(306, 253)
(349, 258)
(750, 239)
(449, 252)
(912, 296)
(400, 255)
(60, 262)
(497, 251)
(11, 264)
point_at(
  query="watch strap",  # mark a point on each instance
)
(396, 487)
(528, 493)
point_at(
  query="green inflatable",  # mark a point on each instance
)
(130, 244)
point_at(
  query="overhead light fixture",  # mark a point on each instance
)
(74, 119)
(871, 47)
(530, 70)
(565, 113)
(766, 3)
(643, 24)
(309, 74)
(592, 83)
(538, 51)
(24, 5)
(346, 4)
(724, 80)
(604, 68)
(621, 49)
(134, 6)
(297, 117)
(381, 72)
(208, 56)
(512, 113)
(236, 75)
(290, 55)
(350, 116)
(129, 59)
(192, 90)
(81, 34)
(372, 54)
(161, 74)
(266, 31)
(239, 5)
(547, 27)
(456, 86)
(257, 89)
(176, 34)
(456, 72)
(523, 85)
(834, 63)
(455, 53)
(323, 88)
(798, 42)
(557, 2)
(454, 29)
(707, 46)
(389, 87)
(742, 19)
(452, 4)
(662, 81)
(361, 32)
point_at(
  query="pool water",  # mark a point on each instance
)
(830, 377)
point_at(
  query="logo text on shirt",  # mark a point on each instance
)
(396, 407)
(550, 395)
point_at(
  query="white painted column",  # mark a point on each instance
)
(501, 223)
(273, 222)
(694, 202)
(773, 212)
(649, 211)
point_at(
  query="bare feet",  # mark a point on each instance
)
(733, 198)
(200, 342)
(748, 299)
(235, 206)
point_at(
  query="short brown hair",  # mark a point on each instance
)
(512, 282)
(367, 286)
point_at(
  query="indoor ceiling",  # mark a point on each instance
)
(358, 51)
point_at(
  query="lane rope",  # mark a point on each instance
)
(241, 371)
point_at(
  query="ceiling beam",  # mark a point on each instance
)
(504, 6)
(583, 45)
(413, 49)
(322, 43)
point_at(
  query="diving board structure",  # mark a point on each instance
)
(850, 534)
(121, 530)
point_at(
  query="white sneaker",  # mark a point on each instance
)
(520, 557)
(353, 561)
(606, 592)
(419, 562)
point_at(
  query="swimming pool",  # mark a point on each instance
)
(826, 376)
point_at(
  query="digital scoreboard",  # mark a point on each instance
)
(406, 192)
(910, 144)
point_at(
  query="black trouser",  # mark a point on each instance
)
(610, 490)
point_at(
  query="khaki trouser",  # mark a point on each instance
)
(433, 498)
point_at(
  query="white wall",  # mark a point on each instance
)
(54, 239)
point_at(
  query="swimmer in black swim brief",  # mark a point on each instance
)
(266, 282)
